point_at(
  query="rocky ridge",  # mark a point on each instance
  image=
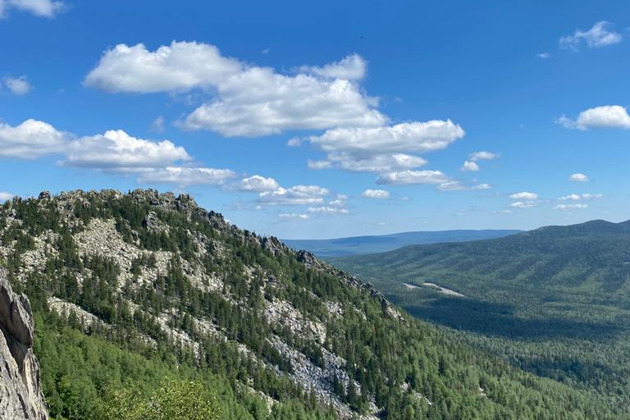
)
(102, 237)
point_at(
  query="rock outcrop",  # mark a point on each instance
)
(20, 393)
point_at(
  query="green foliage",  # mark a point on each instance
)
(176, 400)
(553, 301)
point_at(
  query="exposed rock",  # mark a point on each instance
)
(151, 221)
(273, 245)
(44, 195)
(20, 393)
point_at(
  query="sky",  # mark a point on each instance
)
(325, 119)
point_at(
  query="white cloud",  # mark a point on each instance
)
(477, 156)
(608, 116)
(524, 196)
(385, 149)
(524, 204)
(258, 183)
(326, 210)
(412, 177)
(571, 206)
(544, 55)
(378, 163)
(576, 197)
(293, 216)
(352, 67)
(118, 151)
(294, 196)
(418, 137)
(578, 177)
(18, 85)
(248, 101)
(5, 196)
(340, 201)
(455, 185)
(42, 8)
(157, 125)
(378, 194)
(596, 37)
(259, 102)
(319, 164)
(469, 166)
(183, 176)
(179, 67)
(113, 152)
(30, 140)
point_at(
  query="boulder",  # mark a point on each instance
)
(21, 397)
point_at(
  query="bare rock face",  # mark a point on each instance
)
(20, 393)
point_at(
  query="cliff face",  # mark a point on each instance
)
(20, 394)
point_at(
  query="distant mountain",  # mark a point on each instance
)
(555, 300)
(359, 245)
(146, 301)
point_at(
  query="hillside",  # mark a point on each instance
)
(555, 301)
(143, 296)
(359, 245)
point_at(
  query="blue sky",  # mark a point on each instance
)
(391, 102)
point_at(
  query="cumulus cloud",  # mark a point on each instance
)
(477, 156)
(113, 152)
(524, 196)
(409, 177)
(248, 101)
(469, 166)
(118, 151)
(184, 176)
(258, 183)
(386, 148)
(179, 67)
(571, 206)
(17, 85)
(378, 163)
(598, 36)
(455, 185)
(294, 196)
(524, 204)
(418, 137)
(608, 116)
(578, 177)
(577, 197)
(31, 139)
(5, 196)
(352, 67)
(42, 8)
(340, 201)
(327, 210)
(544, 55)
(293, 216)
(319, 164)
(378, 194)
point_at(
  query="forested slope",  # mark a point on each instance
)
(147, 295)
(554, 301)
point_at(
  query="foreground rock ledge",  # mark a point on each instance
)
(20, 393)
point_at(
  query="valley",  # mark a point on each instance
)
(553, 301)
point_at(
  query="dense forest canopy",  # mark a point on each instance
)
(554, 301)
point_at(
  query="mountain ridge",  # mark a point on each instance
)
(153, 281)
(358, 245)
